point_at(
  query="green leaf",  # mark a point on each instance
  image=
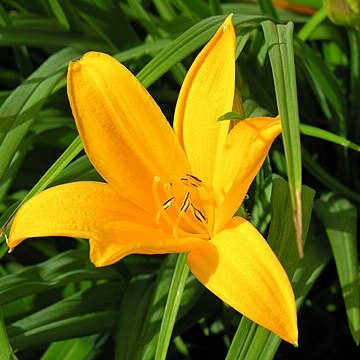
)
(109, 21)
(189, 41)
(311, 25)
(232, 115)
(327, 179)
(267, 8)
(151, 48)
(66, 157)
(339, 218)
(324, 85)
(195, 9)
(133, 310)
(87, 312)
(152, 321)
(279, 41)
(62, 269)
(48, 36)
(5, 348)
(79, 349)
(328, 136)
(20, 108)
(80, 169)
(177, 287)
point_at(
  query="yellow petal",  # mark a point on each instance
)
(206, 94)
(240, 268)
(124, 133)
(70, 210)
(114, 240)
(244, 153)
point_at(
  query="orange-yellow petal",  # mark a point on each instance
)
(112, 241)
(244, 153)
(124, 133)
(240, 268)
(206, 94)
(73, 209)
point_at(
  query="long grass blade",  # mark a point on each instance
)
(177, 287)
(280, 47)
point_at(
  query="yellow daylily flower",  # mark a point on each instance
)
(170, 190)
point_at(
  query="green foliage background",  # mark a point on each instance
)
(56, 305)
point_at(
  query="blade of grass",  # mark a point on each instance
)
(66, 14)
(79, 349)
(178, 69)
(177, 286)
(310, 26)
(325, 86)
(328, 180)
(109, 21)
(339, 218)
(215, 7)
(195, 9)
(61, 269)
(5, 348)
(165, 9)
(150, 320)
(328, 136)
(190, 41)
(20, 108)
(133, 310)
(88, 312)
(354, 45)
(280, 47)
(17, 36)
(68, 155)
(267, 8)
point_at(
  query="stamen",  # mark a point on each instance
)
(162, 212)
(198, 214)
(199, 230)
(194, 178)
(168, 203)
(191, 180)
(184, 207)
(186, 203)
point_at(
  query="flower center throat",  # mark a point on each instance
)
(189, 220)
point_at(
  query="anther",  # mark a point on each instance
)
(194, 178)
(198, 214)
(191, 180)
(168, 203)
(186, 203)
